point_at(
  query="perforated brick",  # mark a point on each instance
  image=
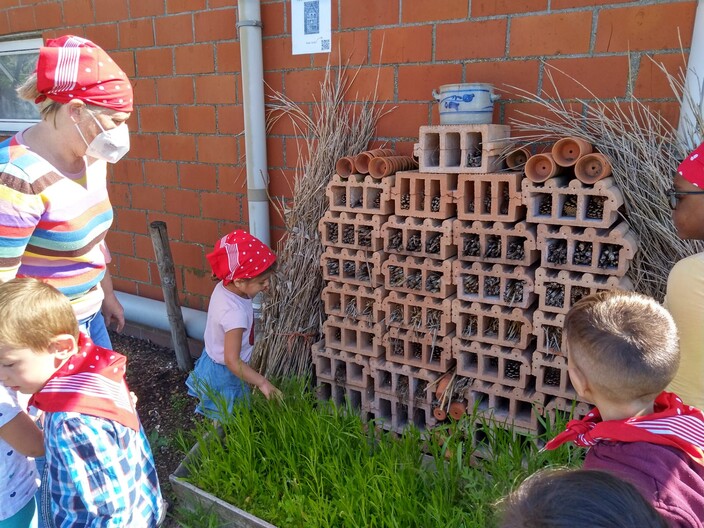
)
(551, 375)
(419, 313)
(362, 268)
(496, 242)
(355, 398)
(512, 286)
(588, 250)
(342, 367)
(559, 290)
(566, 201)
(397, 415)
(429, 277)
(353, 337)
(567, 409)
(418, 350)
(509, 366)
(418, 237)
(462, 148)
(407, 383)
(494, 197)
(496, 325)
(424, 195)
(547, 327)
(361, 194)
(351, 302)
(352, 230)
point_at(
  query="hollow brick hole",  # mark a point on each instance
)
(557, 251)
(582, 255)
(453, 154)
(595, 207)
(554, 294)
(569, 205)
(608, 256)
(491, 327)
(512, 331)
(356, 199)
(514, 291)
(436, 355)
(470, 326)
(512, 369)
(486, 197)
(431, 149)
(473, 142)
(395, 239)
(515, 248)
(492, 286)
(493, 246)
(504, 198)
(355, 399)
(432, 243)
(364, 236)
(553, 338)
(434, 193)
(471, 246)
(413, 243)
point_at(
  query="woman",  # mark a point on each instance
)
(685, 284)
(54, 206)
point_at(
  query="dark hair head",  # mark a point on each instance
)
(577, 498)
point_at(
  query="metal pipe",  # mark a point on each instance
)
(687, 129)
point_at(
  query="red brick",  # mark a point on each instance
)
(371, 81)
(194, 119)
(135, 269)
(120, 242)
(505, 74)
(303, 85)
(144, 146)
(173, 222)
(277, 55)
(105, 35)
(651, 82)
(227, 58)
(175, 90)
(220, 206)
(404, 120)
(110, 11)
(282, 125)
(424, 11)
(161, 173)
(483, 8)
(4, 22)
(157, 61)
(217, 149)
(273, 18)
(197, 282)
(556, 34)
(127, 286)
(119, 194)
(403, 44)
(149, 291)
(529, 112)
(144, 91)
(212, 25)
(21, 19)
(574, 78)
(144, 8)
(348, 47)
(178, 6)
(49, 14)
(275, 152)
(571, 4)
(198, 176)
(128, 171)
(177, 147)
(174, 30)
(281, 182)
(378, 13)
(471, 40)
(136, 33)
(230, 119)
(147, 197)
(197, 58)
(188, 255)
(77, 12)
(658, 26)
(157, 119)
(416, 83)
(182, 202)
(232, 179)
(212, 89)
(144, 247)
(131, 221)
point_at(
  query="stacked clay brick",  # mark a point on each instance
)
(462, 267)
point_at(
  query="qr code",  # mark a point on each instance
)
(311, 15)
(325, 44)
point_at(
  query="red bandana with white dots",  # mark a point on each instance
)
(239, 255)
(692, 168)
(91, 382)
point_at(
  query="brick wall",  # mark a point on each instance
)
(186, 166)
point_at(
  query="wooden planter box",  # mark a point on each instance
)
(192, 498)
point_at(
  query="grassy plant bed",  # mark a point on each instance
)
(306, 463)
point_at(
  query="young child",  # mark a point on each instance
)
(243, 265)
(577, 498)
(622, 352)
(19, 439)
(100, 466)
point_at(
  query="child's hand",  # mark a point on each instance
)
(269, 391)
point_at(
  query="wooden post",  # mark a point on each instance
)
(165, 263)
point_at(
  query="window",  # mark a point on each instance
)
(18, 59)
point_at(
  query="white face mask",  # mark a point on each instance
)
(110, 145)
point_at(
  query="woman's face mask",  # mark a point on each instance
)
(110, 145)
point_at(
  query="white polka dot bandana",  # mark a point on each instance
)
(239, 255)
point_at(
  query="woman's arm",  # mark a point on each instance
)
(23, 435)
(233, 347)
(112, 309)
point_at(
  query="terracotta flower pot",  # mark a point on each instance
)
(516, 159)
(361, 161)
(387, 165)
(568, 150)
(457, 409)
(439, 414)
(592, 168)
(345, 166)
(541, 167)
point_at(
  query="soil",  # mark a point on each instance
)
(163, 404)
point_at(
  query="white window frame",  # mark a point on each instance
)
(12, 47)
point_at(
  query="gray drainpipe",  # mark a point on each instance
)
(694, 80)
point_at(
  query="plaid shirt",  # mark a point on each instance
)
(100, 473)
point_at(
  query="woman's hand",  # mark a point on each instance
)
(269, 391)
(113, 312)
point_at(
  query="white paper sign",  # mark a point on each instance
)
(310, 26)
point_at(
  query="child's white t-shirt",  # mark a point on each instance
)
(228, 311)
(18, 474)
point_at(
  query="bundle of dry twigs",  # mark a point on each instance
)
(292, 312)
(644, 151)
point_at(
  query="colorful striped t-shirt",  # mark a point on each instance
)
(53, 225)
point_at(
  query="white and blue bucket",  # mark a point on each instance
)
(466, 103)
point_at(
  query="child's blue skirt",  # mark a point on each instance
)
(215, 386)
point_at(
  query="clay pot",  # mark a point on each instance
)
(457, 409)
(541, 167)
(345, 166)
(386, 165)
(361, 161)
(439, 414)
(568, 150)
(592, 168)
(516, 159)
